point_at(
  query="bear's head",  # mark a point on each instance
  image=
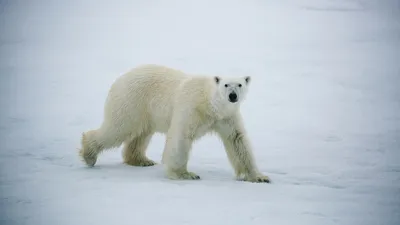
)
(232, 89)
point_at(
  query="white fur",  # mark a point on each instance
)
(153, 98)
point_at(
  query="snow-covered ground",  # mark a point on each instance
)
(323, 112)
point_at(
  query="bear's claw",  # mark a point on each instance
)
(263, 179)
(190, 176)
(143, 163)
(257, 179)
(183, 176)
(89, 159)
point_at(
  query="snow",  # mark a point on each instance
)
(322, 112)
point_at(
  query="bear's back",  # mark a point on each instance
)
(153, 89)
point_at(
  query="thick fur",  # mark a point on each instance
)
(154, 98)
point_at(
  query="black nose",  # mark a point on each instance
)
(232, 97)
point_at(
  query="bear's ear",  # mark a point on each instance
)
(247, 79)
(217, 79)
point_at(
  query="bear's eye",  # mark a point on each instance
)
(226, 85)
(240, 85)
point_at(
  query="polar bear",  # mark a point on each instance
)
(153, 98)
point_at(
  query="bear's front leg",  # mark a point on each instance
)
(238, 149)
(176, 152)
(176, 157)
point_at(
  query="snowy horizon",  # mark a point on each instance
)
(322, 113)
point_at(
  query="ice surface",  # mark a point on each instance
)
(323, 112)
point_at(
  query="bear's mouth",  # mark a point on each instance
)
(233, 97)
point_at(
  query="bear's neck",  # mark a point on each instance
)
(221, 108)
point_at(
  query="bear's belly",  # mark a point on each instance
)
(161, 125)
(161, 115)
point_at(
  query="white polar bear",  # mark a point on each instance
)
(154, 98)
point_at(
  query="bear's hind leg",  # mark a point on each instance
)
(90, 149)
(95, 141)
(134, 152)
